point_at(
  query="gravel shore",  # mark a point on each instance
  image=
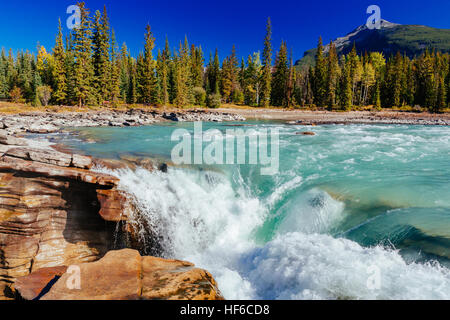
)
(47, 122)
(327, 117)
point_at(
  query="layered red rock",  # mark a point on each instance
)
(55, 213)
(126, 275)
(32, 286)
(50, 213)
(113, 205)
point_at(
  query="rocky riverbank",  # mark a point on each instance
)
(55, 212)
(306, 117)
(47, 122)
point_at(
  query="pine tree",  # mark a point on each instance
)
(124, 78)
(267, 67)
(183, 91)
(346, 86)
(290, 90)
(115, 71)
(396, 84)
(11, 71)
(167, 77)
(26, 69)
(425, 94)
(213, 74)
(146, 79)
(280, 78)
(83, 73)
(4, 88)
(309, 84)
(132, 96)
(234, 71)
(59, 70)
(320, 77)
(441, 102)
(226, 83)
(197, 63)
(332, 77)
(101, 55)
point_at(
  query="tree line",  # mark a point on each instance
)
(86, 67)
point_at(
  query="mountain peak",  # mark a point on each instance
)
(391, 38)
(352, 36)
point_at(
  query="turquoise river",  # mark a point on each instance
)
(354, 212)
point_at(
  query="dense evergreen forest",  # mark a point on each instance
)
(86, 67)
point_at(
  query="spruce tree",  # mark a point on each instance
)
(226, 80)
(441, 102)
(146, 71)
(183, 93)
(213, 74)
(132, 96)
(11, 71)
(102, 64)
(332, 77)
(267, 67)
(115, 65)
(290, 90)
(346, 84)
(124, 78)
(59, 69)
(167, 77)
(4, 89)
(83, 73)
(320, 76)
(280, 78)
(197, 63)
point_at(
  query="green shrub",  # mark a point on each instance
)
(214, 100)
(199, 96)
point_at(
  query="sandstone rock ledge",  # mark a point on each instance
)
(122, 275)
(55, 212)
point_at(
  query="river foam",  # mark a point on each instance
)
(203, 217)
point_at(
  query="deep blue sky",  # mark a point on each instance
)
(215, 23)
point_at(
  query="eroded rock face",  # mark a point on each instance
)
(49, 212)
(36, 284)
(56, 213)
(126, 275)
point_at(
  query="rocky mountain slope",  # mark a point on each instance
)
(411, 40)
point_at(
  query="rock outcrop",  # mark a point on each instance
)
(56, 213)
(121, 275)
(53, 211)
